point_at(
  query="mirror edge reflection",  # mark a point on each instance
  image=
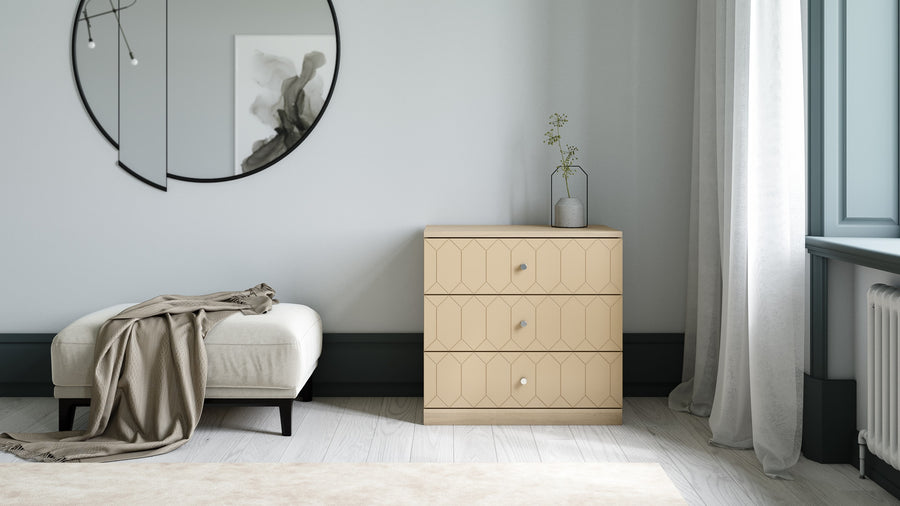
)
(81, 95)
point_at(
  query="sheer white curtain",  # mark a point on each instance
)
(745, 319)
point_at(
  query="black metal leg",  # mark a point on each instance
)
(306, 392)
(285, 407)
(67, 412)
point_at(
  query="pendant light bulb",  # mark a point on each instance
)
(134, 61)
(91, 44)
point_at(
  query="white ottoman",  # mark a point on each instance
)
(263, 360)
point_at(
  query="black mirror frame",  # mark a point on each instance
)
(87, 108)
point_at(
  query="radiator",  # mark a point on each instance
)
(882, 394)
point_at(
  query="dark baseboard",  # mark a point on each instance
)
(25, 365)
(652, 364)
(648, 389)
(369, 389)
(362, 365)
(26, 390)
(829, 430)
(370, 365)
(881, 473)
(829, 420)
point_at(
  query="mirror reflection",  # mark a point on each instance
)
(204, 90)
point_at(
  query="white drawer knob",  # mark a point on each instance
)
(523, 381)
(523, 266)
(523, 324)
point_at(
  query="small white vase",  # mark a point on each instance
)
(568, 213)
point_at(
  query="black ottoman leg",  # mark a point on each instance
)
(307, 391)
(67, 413)
(285, 407)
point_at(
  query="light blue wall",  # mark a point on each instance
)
(861, 123)
(437, 118)
(871, 70)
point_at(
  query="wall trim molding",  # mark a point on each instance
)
(363, 365)
(829, 420)
(875, 253)
(881, 473)
(25, 365)
(829, 174)
(815, 122)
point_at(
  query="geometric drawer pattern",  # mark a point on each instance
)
(495, 322)
(544, 307)
(493, 380)
(493, 266)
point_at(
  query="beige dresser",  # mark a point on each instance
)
(523, 325)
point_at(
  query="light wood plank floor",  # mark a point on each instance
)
(390, 429)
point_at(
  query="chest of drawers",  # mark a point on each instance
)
(523, 325)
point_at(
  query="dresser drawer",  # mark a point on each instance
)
(493, 380)
(523, 322)
(523, 266)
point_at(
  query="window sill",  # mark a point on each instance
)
(882, 253)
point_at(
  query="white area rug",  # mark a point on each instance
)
(463, 484)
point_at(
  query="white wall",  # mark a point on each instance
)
(863, 279)
(847, 320)
(437, 117)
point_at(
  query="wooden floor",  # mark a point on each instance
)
(375, 429)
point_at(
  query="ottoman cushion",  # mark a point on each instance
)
(269, 355)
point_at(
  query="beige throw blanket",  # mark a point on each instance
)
(149, 380)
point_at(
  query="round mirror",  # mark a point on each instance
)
(204, 90)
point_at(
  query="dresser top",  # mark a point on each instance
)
(519, 231)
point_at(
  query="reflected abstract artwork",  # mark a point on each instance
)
(281, 85)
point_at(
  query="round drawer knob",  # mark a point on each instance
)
(523, 266)
(523, 324)
(523, 381)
